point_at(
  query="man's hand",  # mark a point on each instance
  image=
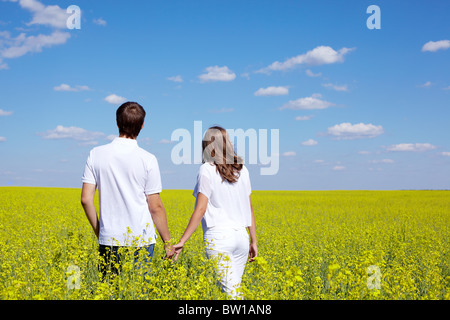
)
(168, 248)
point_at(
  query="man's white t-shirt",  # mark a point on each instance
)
(124, 174)
(228, 203)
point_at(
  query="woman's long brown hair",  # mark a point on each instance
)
(217, 148)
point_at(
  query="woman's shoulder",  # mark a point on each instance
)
(206, 167)
(244, 170)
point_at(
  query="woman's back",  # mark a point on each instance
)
(224, 207)
(228, 203)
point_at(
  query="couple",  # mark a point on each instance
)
(129, 183)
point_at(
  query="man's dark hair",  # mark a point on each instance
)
(130, 118)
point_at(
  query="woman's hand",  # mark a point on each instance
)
(252, 252)
(177, 250)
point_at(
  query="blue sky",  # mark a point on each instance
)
(356, 108)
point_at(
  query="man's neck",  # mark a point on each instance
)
(126, 137)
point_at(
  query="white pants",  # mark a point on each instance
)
(229, 248)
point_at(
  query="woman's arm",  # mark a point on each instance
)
(253, 251)
(197, 215)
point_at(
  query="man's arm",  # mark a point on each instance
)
(159, 218)
(87, 201)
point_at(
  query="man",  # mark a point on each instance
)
(129, 183)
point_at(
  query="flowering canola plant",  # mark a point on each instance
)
(312, 245)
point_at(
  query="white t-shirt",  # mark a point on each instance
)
(124, 174)
(228, 203)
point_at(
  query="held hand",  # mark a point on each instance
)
(252, 252)
(168, 248)
(177, 250)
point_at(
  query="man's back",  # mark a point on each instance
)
(124, 174)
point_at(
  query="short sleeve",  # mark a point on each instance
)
(203, 184)
(89, 174)
(153, 179)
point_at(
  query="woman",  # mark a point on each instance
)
(223, 205)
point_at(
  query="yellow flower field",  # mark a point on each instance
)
(312, 245)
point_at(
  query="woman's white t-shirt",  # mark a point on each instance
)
(228, 203)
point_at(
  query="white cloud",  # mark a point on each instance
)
(145, 140)
(446, 88)
(308, 103)
(74, 133)
(111, 137)
(318, 56)
(3, 66)
(445, 153)
(310, 142)
(272, 91)
(2, 139)
(289, 154)
(216, 73)
(100, 22)
(66, 87)
(414, 147)
(338, 168)
(364, 152)
(336, 87)
(434, 46)
(4, 113)
(348, 131)
(425, 85)
(115, 99)
(83, 88)
(309, 73)
(165, 141)
(382, 161)
(88, 143)
(176, 78)
(303, 118)
(51, 15)
(22, 44)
